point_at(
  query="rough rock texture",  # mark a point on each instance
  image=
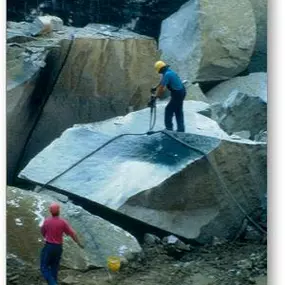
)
(261, 136)
(32, 67)
(26, 211)
(259, 58)
(155, 178)
(209, 40)
(24, 68)
(254, 84)
(243, 112)
(107, 71)
(194, 92)
(18, 32)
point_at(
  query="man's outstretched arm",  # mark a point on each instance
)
(71, 232)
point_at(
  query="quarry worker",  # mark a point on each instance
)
(52, 230)
(173, 83)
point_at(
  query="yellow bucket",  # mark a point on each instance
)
(114, 263)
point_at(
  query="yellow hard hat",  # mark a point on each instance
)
(158, 65)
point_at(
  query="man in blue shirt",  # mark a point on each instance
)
(173, 83)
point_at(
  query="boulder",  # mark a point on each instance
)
(242, 112)
(254, 84)
(106, 72)
(83, 93)
(209, 40)
(25, 213)
(156, 179)
(46, 24)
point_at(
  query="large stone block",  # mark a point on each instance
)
(157, 179)
(209, 40)
(106, 72)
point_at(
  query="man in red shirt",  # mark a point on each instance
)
(52, 230)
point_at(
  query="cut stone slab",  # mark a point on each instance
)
(106, 72)
(25, 213)
(209, 40)
(84, 93)
(254, 84)
(154, 178)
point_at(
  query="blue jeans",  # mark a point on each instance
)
(50, 260)
(175, 107)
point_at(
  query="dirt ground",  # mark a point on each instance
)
(228, 264)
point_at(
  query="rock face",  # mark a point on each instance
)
(243, 112)
(24, 69)
(32, 67)
(106, 72)
(26, 211)
(254, 84)
(155, 178)
(209, 40)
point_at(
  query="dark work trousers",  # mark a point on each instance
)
(50, 259)
(175, 107)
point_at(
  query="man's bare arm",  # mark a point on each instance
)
(160, 91)
(75, 238)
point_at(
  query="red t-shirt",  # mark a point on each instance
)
(53, 229)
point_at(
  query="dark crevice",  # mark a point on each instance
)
(44, 88)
